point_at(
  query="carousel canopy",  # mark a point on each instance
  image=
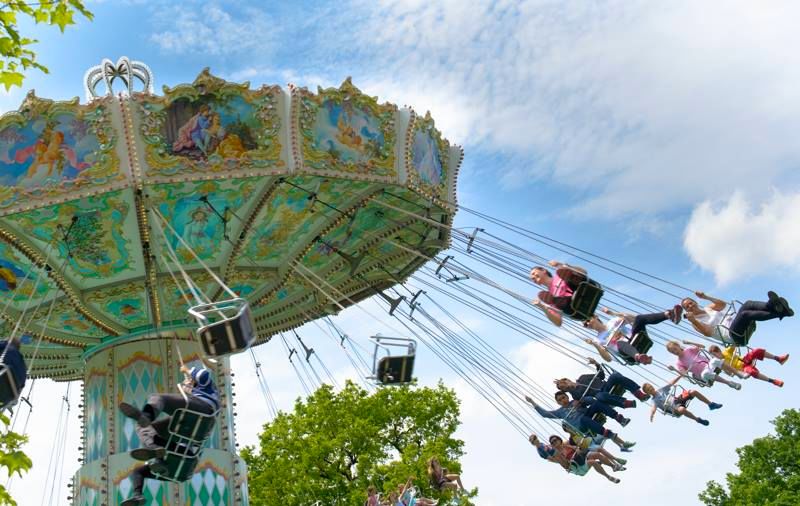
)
(300, 202)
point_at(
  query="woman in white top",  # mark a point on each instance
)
(713, 321)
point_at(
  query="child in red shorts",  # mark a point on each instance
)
(746, 364)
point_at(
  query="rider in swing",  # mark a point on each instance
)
(561, 286)
(201, 396)
(15, 363)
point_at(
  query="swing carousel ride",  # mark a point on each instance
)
(140, 232)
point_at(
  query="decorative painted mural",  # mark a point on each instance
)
(211, 125)
(49, 149)
(348, 236)
(344, 130)
(19, 280)
(245, 282)
(291, 216)
(125, 304)
(66, 319)
(427, 156)
(96, 245)
(198, 222)
(174, 298)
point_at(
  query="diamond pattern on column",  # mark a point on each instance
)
(96, 416)
(138, 377)
(155, 492)
(207, 488)
(90, 496)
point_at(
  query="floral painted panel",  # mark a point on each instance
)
(97, 246)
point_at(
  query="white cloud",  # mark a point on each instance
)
(637, 107)
(738, 239)
(209, 29)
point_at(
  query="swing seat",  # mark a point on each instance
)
(396, 370)
(9, 391)
(393, 369)
(736, 339)
(585, 300)
(642, 342)
(188, 432)
(226, 327)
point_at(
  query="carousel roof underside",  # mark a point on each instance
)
(276, 191)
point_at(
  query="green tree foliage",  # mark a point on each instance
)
(336, 444)
(15, 53)
(769, 469)
(12, 458)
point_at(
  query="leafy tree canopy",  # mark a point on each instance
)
(769, 469)
(336, 444)
(12, 458)
(15, 53)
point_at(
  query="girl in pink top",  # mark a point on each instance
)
(700, 365)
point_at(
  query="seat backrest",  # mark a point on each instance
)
(180, 467)
(229, 335)
(585, 300)
(748, 333)
(191, 426)
(397, 369)
(642, 342)
(188, 431)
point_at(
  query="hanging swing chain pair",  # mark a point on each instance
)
(297, 268)
(162, 222)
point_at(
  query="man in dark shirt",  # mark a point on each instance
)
(598, 386)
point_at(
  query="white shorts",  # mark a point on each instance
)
(710, 373)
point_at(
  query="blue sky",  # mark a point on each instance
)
(661, 135)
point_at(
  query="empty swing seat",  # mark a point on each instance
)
(585, 300)
(226, 327)
(395, 370)
(188, 432)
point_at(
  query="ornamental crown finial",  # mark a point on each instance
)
(126, 70)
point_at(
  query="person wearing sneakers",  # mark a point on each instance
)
(746, 364)
(578, 414)
(666, 400)
(598, 386)
(561, 285)
(613, 336)
(201, 396)
(581, 460)
(730, 328)
(574, 459)
(693, 360)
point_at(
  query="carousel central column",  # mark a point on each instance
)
(131, 372)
